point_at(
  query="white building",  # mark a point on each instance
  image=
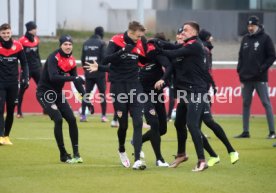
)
(71, 14)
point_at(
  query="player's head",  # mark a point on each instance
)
(99, 31)
(135, 31)
(253, 23)
(66, 44)
(190, 29)
(31, 27)
(5, 32)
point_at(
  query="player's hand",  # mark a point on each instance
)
(24, 83)
(91, 67)
(159, 84)
(79, 80)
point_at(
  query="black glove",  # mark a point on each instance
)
(24, 83)
(79, 80)
(128, 48)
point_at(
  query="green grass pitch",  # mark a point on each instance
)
(32, 164)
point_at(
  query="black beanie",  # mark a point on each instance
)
(65, 38)
(179, 30)
(99, 31)
(30, 25)
(253, 20)
(204, 35)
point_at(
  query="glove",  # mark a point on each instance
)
(24, 83)
(79, 80)
(128, 48)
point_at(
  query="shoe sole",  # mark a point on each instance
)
(235, 161)
(177, 164)
(142, 167)
(214, 164)
(200, 170)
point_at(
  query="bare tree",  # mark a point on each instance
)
(21, 17)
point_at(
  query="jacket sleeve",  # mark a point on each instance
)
(183, 51)
(103, 64)
(166, 63)
(269, 54)
(39, 58)
(113, 53)
(78, 85)
(24, 65)
(82, 56)
(240, 57)
(54, 72)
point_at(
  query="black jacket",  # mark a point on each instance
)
(58, 69)
(256, 55)
(93, 49)
(124, 66)
(191, 73)
(31, 49)
(9, 57)
(152, 71)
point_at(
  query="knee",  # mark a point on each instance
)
(246, 103)
(178, 125)
(163, 129)
(137, 123)
(266, 104)
(72, 119)
(152, 121)
(191, 126)
(122, 125)
(58, 120)
(208, 122)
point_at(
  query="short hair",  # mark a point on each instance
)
(194, 25)
(5, 26)
(136, 26)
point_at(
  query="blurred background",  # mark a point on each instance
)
(225, 19)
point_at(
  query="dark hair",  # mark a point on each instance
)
(194, 25)
(136, 26)
(30, 25)
(99, 31)
(160, 36)
(5, 26)
(204, 35)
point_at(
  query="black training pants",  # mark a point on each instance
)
(32, 74)
(126, 100)
(8, 96)
(57, 110)
(155, 114)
